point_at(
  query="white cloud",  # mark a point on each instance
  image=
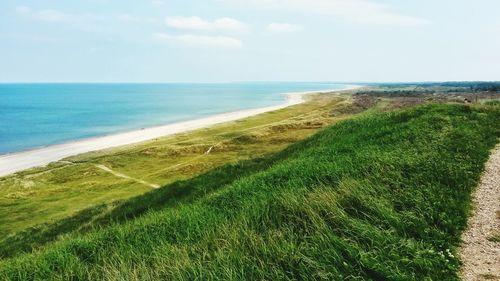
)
(359, 11)
(47, 15)
(83, 22)
(55, 16)
(200, 40)
(284, 28)
(23, 10)
(197, 23)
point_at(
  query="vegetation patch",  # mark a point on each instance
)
(495, 238)
(384, 196)
(39, 197)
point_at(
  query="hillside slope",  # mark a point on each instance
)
(384, 196)
(39, 197)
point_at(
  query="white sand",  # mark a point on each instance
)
(15, 162)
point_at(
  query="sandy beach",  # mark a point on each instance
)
(16, 162)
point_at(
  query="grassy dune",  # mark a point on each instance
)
(383, 196)
(61, 190)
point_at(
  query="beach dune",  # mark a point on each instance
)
(15, 162)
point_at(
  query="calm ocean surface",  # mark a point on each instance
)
(35, 115)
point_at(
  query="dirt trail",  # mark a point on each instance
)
(480, 254)
(120, 175)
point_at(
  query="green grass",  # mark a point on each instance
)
(495, 238)
(384, 197)
(40, 197)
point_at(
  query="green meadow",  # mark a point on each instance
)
(383, 195)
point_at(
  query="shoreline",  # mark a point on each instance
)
(39, 157)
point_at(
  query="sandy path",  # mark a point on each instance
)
(123, 176)
(16, 162)
(480, 255)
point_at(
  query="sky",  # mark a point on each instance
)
(249, 40)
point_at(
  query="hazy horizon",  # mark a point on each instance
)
(249, 82)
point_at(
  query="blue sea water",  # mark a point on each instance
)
(35, 115)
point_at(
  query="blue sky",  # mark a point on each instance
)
(249, 40)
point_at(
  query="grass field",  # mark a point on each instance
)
(46, 195)
(383, 196)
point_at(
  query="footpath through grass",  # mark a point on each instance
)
(384, 196)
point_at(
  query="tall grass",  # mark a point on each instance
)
(34, 200)
(382, 197)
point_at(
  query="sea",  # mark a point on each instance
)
(38, 115)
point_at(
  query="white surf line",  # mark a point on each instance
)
(16, 162)
(123, 176)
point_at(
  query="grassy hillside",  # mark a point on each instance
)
(63, 189)
(384, 196)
